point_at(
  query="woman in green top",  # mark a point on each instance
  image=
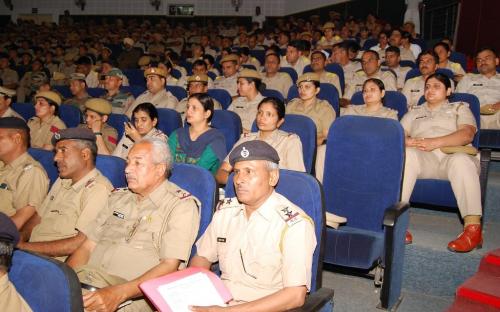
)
(197, 143)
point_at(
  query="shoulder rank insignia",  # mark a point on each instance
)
(90, 183)
(182, 194)
(228, 203)
(289, 215)
(27, 167)
(119, 189)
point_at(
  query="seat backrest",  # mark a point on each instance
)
(176, 73)
(370, 42)
(392, 99)
(327, 92)
(212, 75)
(249, 66)
(415, 72)
(201, 184)
(46, 159)
(363, 169)
(303, 190)
(71, 115)
(407, 63)
(460, 58)
(26, 110)
(272, 93)
(135, 76)
(136, 90)
(291, 72)
(222, 96)
(45, 284)
(259, 55)
(64, 91)
(187, 66)
(168, 120)
(117, 121)
(113, 168)
(229, 123)
(179, 92)
(96, 92)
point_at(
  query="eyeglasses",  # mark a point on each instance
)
(244, 268)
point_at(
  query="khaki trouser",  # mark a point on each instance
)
(319, 167)
(99, 279)
(460, 169)
(490, 121)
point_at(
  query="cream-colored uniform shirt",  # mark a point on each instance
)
(109, 135)
(288, 146)
(253, 61)
(247, 110)
(133, 236)
(349, 70)
(413, 90)
(69, 209)
(360, 77)
(401, 75)
(360, 110)
(230, 84)
(406, 54)
(487, 91)
(11, 113)
(9, 297)
(456, 68)
(299, 66)
(162, 99)
(321, 113)
(331, 78)
(41, 132)
(9, 76)
(262, 254)
(125, 144)
(280, 82)
(23, 183)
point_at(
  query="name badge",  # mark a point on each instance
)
(118, 215)
(221, 239)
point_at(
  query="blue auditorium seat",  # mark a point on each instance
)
(117, 121)
(362, 182)
(113, 168)
(168, 120)
(46, 159)
(392, 99)
(136, 90)
(222, 96)
(272, 93)
(26, 110)
(71, 115)
(64, 91)
(291, 72)
(176, 73)
(96, 92)
(135, 76)
(179, 92)
(415, 72)
(229, 123)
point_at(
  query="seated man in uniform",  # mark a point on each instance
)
(264, 255)
(78, 88)
(119, 100)
(392, 59)
(23, 181)
(6, 96)
(228, 81)
(96, 116)
(9, 297)
(144, 232)
(318, 63)
(197, 83)
(486, 86)
(273, 78)
(294, 57)
(413, 88)
(75, 199)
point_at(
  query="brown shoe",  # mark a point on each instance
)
(408, 238)
(471, 238)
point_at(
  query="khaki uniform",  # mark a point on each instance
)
(263, 254)
(460, 169)
(69, 209)
(125, 144)
(456, 68)
(360, 110)
(78, 102)
(321, 113)
(119, 102)
(406, 54)
(413, 90)
(92, 79)
(181, 107)
(22, 183)
(41, 132)
(288, 146)
(325, 43)
(247, 110)
(230, 84)
(281, 82)
(9, 76)
(9, 297)
(360, 77)
(134, 236)
(11, 113)
(302, 62)
(488, 92)
(401, 75)
(253, 61)
(331, 78)
(380, 51)
(162, 99)
(109, 135)
(349, 70)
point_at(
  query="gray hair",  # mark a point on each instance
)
(270, 166)
(161, 152)
(91, 145)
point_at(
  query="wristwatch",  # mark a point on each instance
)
(98, 133)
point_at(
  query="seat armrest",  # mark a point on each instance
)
(485, 159)
(394, 212)
(317, 300)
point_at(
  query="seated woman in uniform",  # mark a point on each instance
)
(144, 121)
(270, 116)
(438, 146)
(443, 51)
(197, 143)
(373, 95)
(46, 121)
(320, 111)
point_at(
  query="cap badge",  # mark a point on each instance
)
(57, 135)
(244, 153)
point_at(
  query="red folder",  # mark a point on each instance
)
(150, 288)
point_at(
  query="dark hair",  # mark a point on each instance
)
(209, 58)
(200, 63)
(244, 51)
(406, 35)
(275, 55)
(148, 108)
(295, 44)
(378, 82)
(278, 105)
(384, 33)
(275, 49)
(320, 53)
(257, 82)
(398, 30)
(206, 101)
(374, 53)
(393, 49)
(342, 46)
(6, 248)
(442, 78)
(168, 64)
(442, 44)
(91, 145)
(428, 52)
(112, 62)
(487, 48)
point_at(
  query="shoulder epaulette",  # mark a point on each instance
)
(120, 190)
(228, 203)
(90, 183)
(289, 215)
(182, 194)
(27, 167)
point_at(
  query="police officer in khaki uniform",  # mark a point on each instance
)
(443, 51)
(6, 96)
(156, 92)
(46, 122)
(294, 57)
(318, 62)
(23, 181)
(392, 59)
(329, 39)
(486, 86)
(370, 63)
(144, 232)
(201, 68)
(265, 256)
(245, 105)
(78, 88)
(438, 138)
(120, 101)
(11, 300)
(96, 116)
(9, 77)
(228, 81)
(273, 78)
(75, 199)
(197, 83)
